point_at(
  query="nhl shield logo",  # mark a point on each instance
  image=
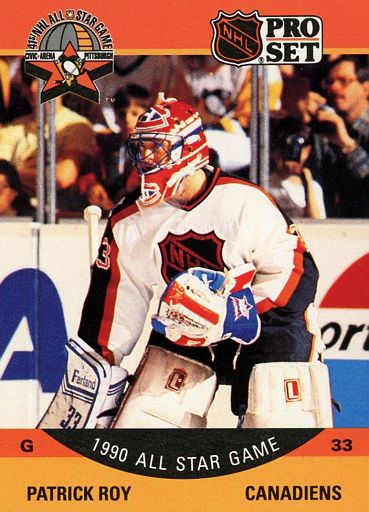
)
(181, 252)
(236, 38)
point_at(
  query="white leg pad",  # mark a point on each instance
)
(289, 395)
(89, 388)
(169, 391)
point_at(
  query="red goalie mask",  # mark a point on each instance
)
(167, 145)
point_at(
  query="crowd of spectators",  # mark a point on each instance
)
(319, 120)
(334, 109)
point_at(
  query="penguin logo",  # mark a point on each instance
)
(71, 68)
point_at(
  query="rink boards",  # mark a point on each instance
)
(44, 275)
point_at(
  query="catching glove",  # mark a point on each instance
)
(200, 307)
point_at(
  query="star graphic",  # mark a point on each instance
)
(241, 307)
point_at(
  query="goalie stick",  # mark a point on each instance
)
(92, 215)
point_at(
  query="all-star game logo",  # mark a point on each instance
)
(240, 39)
(69, 50)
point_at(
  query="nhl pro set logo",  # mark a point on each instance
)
(240, 39)
(69, 50)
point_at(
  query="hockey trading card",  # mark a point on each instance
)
(78, 81)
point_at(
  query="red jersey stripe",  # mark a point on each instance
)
(109, 307)
(289, 288)
(122, 214)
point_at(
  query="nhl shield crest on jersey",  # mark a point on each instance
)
(180, 252)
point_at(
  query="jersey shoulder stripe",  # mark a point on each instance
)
(125, 209)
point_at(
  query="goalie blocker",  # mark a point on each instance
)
(90, 392)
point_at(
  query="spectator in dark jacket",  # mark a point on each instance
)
(341, 120)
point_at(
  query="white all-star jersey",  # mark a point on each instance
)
(232, 223)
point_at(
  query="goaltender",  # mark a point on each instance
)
(236, 286)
